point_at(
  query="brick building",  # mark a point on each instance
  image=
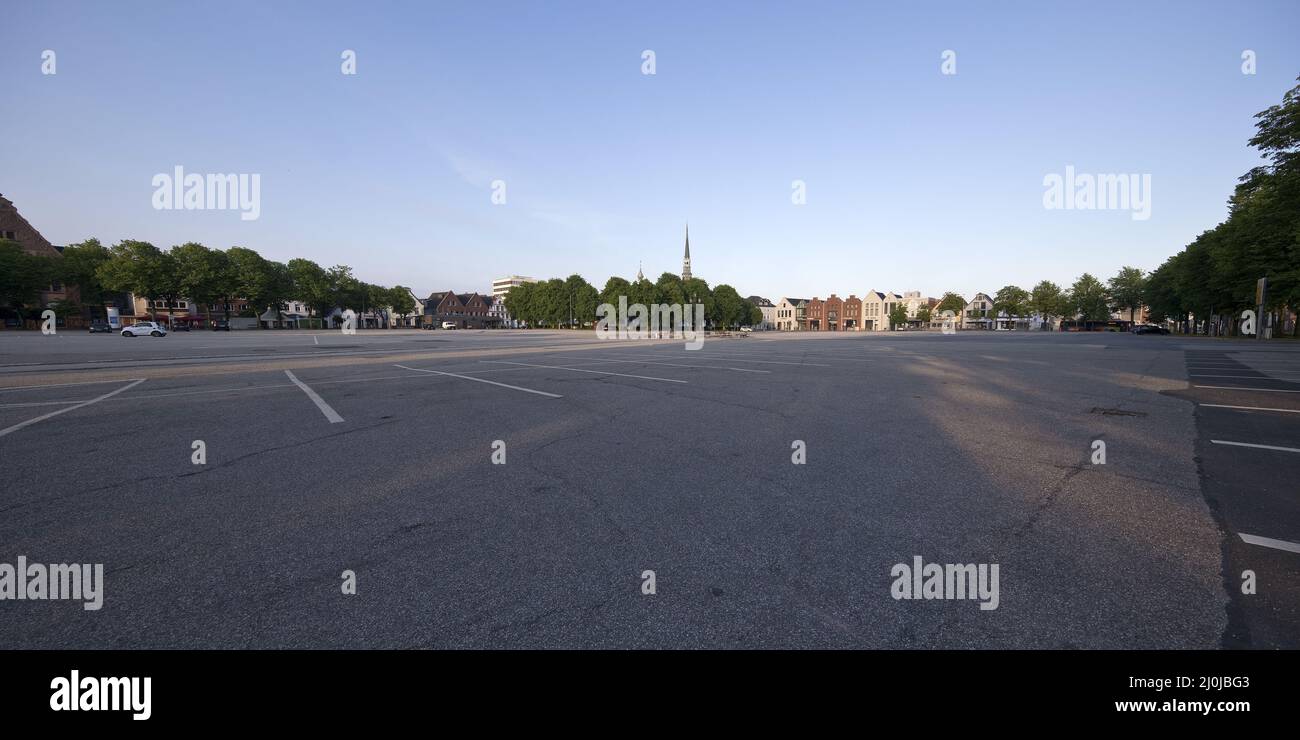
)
(466, 310)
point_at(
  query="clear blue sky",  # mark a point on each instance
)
(916, 180)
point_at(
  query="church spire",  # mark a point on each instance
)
(639, 275)
(686, 258)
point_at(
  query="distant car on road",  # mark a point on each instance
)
(220, 325)
(449, 324)
(183, 326)
(746, 329)
(100, 326)
(1150, 329)
(144, 327)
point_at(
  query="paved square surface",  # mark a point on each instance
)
(373, 453)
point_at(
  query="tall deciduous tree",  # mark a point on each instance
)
(1088, 299)
(80, 267)
(202, 274)
(951, 302)
(1012, 301)
(1048, 301)
(142, 269)
(22, 277)
(1128, 290)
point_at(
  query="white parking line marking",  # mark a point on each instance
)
(733, 358)
(482, 380)
(1251, 408)
(580, 370)
(58, 385)
(325, 408)
(1253, 539)
(36, 403)
(674, 364)
(1239, 388)
(1258, 447)
(83, 404)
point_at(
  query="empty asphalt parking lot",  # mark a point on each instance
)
(374, 453)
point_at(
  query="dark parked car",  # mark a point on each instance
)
(1150, 329)
(99, 326)
(220, 325)
(182, 326)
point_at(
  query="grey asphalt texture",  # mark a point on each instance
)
(969, 448)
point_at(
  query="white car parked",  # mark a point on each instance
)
(449, 324)
(144, 327)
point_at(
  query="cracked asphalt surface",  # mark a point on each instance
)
(972, 448)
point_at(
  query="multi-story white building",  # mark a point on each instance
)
(769, 312)
(501, 286)
(497, 311)
(789, 314)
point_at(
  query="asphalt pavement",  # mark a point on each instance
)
(374, 453)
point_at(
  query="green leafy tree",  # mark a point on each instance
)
(696, 290)
(1048, 301)
(1088, 299)
(80, 267)
(583, 299)
(1214, 276)
(202, 274)
(401, 301)
(923, 314)
(311, 285)
(951, 302)
(1012, 301)
(551, 302)
(1128, 290)
(519, 303)
(728, 307)
(22, 277)
(668, 289)
(897, 315)
(140, 268)
(344, 290)
(615, 287)
(264, 284)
